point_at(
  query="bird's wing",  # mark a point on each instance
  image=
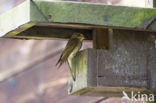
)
(71, 45)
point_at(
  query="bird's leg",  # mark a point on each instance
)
(70, 68)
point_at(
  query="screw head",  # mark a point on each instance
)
(49, 16)
(106, 17)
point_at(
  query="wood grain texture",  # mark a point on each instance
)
(32, 13)
(94, 14)
(128, 65)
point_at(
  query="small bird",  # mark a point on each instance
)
(73, 46)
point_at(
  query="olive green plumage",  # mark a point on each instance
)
(73, 46)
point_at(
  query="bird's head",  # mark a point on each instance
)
(78, 35)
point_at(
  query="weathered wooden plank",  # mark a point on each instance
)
(19, 18)
(83, 15)
(59, 31)
(9, 22)
(95, 14)
(128, 65)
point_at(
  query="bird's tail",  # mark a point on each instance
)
(59, 63)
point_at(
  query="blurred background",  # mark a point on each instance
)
(27, 68)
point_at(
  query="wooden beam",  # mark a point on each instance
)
(53, 32)
(101, 38)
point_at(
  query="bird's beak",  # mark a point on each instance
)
(82, 36)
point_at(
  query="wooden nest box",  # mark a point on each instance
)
(123, 57)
